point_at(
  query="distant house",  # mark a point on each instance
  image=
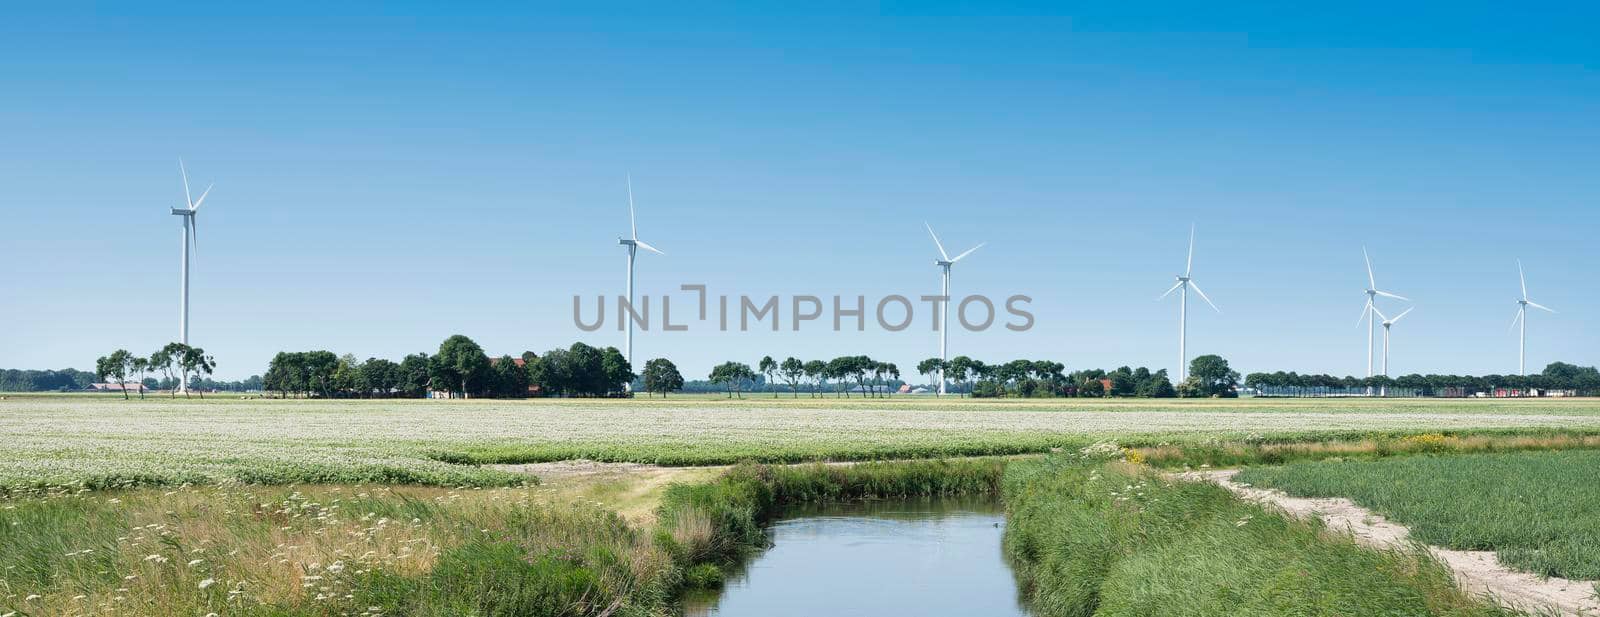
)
(116, 387)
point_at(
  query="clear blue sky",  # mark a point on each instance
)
(390, 175)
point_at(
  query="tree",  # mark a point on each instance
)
(661, 376)
(839, 369)
(510, 379)
(928, 368)
(768, 366)
(414, 376)
(817, 372)
(196, 362)
(138, 365)
(732, 375)
(317, 369)
(793, 370)
(958, 369)
(615, 372)
(1122, 382)
(167, 360)
(1212, 376)
(115, 366)
(380, 376)
(892, 372)
(461, 364)
(347, 374)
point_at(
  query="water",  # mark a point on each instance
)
(922, 557)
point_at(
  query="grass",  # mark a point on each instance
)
(1108, 539)
(1536, 510)
(100, 442)
(366, 550)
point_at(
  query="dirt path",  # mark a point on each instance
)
(632, 490)
(1476, 571)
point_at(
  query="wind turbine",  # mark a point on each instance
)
(1366, 312)
(1185, 282)
(1387, 323)
(190, 238)
(634, 244)
(944, 262)
(1522, 317)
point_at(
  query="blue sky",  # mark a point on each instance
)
(388, 175)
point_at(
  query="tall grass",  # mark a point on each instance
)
(357, 550)
(1108, 538)
(1536, 509)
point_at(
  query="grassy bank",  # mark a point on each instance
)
(1090, 537)
(365, 550)
(1535, 509)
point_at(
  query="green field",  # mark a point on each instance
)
(1109, 539)
(1537, 510)
(106, 441)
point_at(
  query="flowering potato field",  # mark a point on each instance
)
(100, 442)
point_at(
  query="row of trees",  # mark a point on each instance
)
(30, 380)
(460, 368)
(1210, 376)
(1556, 376)
(186, 361)
(872, 378)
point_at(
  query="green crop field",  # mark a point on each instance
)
(1536, 509)
(106, 441)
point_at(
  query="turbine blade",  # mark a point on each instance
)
(1203, 296)
(1516, 319)
(1188, 266)
(633, 225)
(1522, 279)
(1372, 281)
(1390, 295)
(1540, 306)
(202, 199)
(1171, 289)
(942, 255)
(1401, 315)
(188, 201)
(647, 247)
(194, 234)
(1366, 312)
(1379, 313)
(969, 252)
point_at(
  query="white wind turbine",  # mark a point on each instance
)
(190, 239)
(1366, 312)
(1522, 317)
(1387, 323)
(1185, 282)
(944, 262)
(634, 244)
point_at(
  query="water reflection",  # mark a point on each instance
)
(927, 557)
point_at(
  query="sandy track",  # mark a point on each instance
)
(1475, 571)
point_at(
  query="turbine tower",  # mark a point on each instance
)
(634, 244)
(190, 239)
(1522, 317)
(1185, 282)
(1387, 323)
(944, 262)
(1366, 312)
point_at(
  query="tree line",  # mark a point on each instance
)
(1556, 376)
(1210, 376)
(460, 368)
(180, 363)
